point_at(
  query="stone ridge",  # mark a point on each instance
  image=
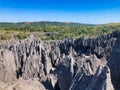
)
(80, 64)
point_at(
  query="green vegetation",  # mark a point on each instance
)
(53, 30)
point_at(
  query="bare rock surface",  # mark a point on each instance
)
(69, 64)
(114, 64)
(22, 85)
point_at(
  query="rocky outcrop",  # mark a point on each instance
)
(92, 74)
(7, 66)
(114, 63)
(69, 64)
(22, 85)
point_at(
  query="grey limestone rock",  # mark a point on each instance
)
(69, 64)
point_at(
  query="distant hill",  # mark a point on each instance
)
(61, 23)
(43, 23)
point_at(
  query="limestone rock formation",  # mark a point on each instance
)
(7, 66)
(22, 85)
(69, 64)
(114, 63)
(92, 74)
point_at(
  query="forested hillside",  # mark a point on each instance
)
(54, 30)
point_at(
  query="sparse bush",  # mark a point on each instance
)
(21, 36)
(58, 30)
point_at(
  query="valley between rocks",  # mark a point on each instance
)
(69, 64)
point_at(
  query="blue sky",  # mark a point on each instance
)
(83, 11)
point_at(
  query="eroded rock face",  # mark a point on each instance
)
(80, 64)
(114, 64)
(22, 85)
(92, 74)
(7, 66)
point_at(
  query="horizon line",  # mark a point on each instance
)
(57, 21)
